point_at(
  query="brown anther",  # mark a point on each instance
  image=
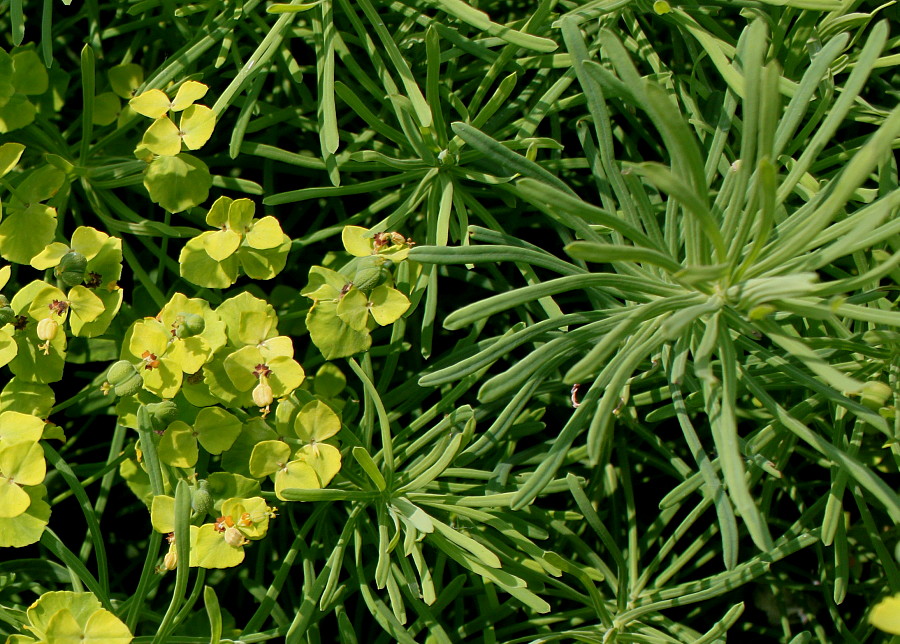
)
(170, 538)
(380, 240)
(150, 360)
(346, 288)
(59, 306)
(223, 523)
(262, 370)
(93, 280)
(574, 395)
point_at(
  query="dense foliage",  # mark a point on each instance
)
(441, 321)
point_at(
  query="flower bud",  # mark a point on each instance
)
(875, 394)
(71, 268)
(170, 561)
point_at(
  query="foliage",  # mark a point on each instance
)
(449, 321)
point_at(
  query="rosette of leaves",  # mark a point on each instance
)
(194, 128)
(175, 180)
(80, 303)
(241, 243)
(197, 331)
(349, 303)
(91, 265)
(342, 315)
(150, 344)
(254, 354)
(219, 544)
(69, 617)
(22, 74)
(303, 459)
(28, 224)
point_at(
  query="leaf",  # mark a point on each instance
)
(316, 422)
(355, 241)
(16, 427)
(220, 244)
(13, 499)
(216, 429)
(85, 304)
(387, 304)
(178, 445)
(164, 380)
(287, 375)
(8, 348)
(196, 126)
(162, 137)
(88, 241)
(268, 457)
(10, 153)
(331, 335)
(24, 234)
(125, 79)
(325, 459)
(353, 309)
(162, 513)
(265, 233)
(17, 113)
(28, 527)
(24, 463)
(296, 475)
(191, 353)
(177, 183)
(112, 301)
(264, 264)
(227, 485)
(197, 267)
(189, 92)
(153, 104)
(210, 550)
(885, 615)
(106, 109)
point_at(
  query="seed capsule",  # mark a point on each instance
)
(189, 325)
(7, 315)
(262, 395)
(71, 268)
(373, 271)
(124, 378)
(161, 414)
(201, 499)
